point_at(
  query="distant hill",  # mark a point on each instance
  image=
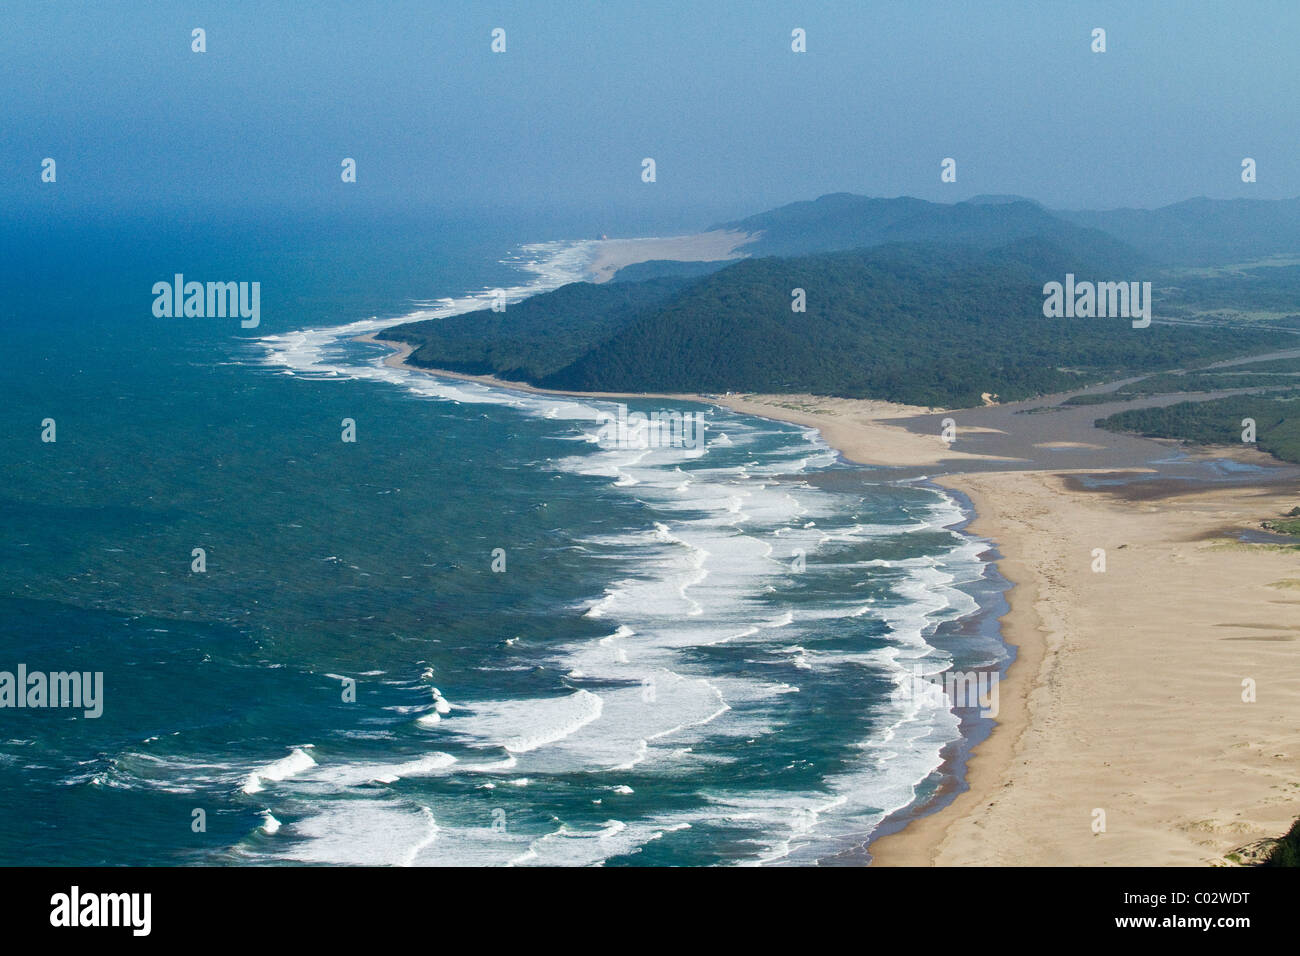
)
(1196, 232)
(843, 221)
(907, 300)
(1201, 232)
(998, 199)
(922, 323)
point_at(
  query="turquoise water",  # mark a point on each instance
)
(650, 680)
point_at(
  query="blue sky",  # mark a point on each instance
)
(736, 122)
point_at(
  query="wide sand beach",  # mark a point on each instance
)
(1123, 735)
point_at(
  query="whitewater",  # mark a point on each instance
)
(693, 616)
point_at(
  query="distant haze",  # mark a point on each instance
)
(558, 124)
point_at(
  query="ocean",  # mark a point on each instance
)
(477, 634)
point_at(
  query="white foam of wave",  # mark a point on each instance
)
(361, 832)
(297, 761)
(322, 353)
(706, 566)
(360, 773)
(520, 726)
(588, 846)
(700, 571)
(167, 774)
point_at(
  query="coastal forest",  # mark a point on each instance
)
(920, 323)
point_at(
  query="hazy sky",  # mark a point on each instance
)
(736, 122)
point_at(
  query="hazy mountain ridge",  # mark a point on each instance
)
(1201, 232)
(1194, 232)
(840, 221)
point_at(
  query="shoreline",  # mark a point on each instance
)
(1205, 605)
(1202, 794)
(1127, 695)
(915, 841)
(868, 439)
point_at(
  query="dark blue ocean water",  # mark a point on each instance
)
(649, 681)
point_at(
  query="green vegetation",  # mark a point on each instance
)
(1219, 422)
(1283, 526)
(1208, 382)
(1287, 851)
(668, 268)
(533, 338)
(1267, 288)
(918, 323)
(924, 303)
(1250, 294)
(1198, 232)
(1267, 365)
(1274, 375)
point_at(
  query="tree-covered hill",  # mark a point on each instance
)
(920, 323)
(670, 268)
(842, 221)
(536, 337)
(1195, 232)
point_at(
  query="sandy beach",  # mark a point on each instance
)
(862, 430)
(1123, 737)
(1127, 693)
(614, 254)
(1127, 697)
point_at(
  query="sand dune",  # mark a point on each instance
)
(614, 254)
